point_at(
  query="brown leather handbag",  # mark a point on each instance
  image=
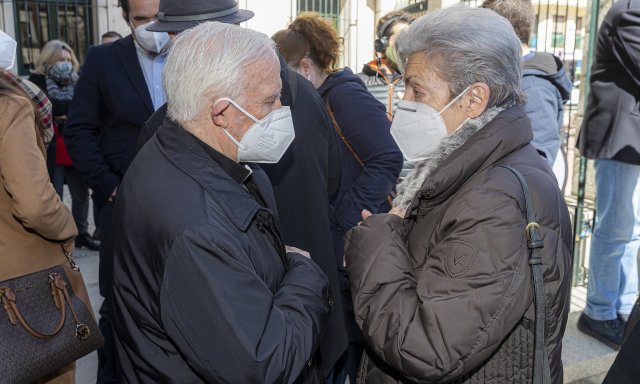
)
(46, 323)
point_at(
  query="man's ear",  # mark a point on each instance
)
(125, 16)
(478, 99)
(219, 113)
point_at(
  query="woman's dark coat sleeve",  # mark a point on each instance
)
(366, 127)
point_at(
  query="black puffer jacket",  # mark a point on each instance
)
(445, 295)
(203, 289)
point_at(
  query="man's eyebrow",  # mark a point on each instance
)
(274, 96)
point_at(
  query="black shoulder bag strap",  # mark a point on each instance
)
(541, 372)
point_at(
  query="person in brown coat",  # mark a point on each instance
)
(35, 226)
(442, 287)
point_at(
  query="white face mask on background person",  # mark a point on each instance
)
(267, 139)
(7, 51)
(418, 129)
(151, 41)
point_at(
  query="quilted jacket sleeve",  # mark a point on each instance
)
(435, 316)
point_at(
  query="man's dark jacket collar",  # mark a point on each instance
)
(182, 149)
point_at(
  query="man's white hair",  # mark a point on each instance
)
(209, 62)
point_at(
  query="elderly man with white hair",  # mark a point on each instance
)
(467, 279)
(205, 289)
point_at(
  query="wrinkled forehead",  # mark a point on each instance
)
(424, 67)
(262, 77)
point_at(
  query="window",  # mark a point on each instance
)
(326, 8)
(559, 27)
(559, 23)
(578, 24)
(37, 22)
(557, 40)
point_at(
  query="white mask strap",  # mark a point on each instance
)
(239, 108)
(236, 142)
(454, 100)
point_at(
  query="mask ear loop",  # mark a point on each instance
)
(454, 100)
(450, 103)
(241, 147)
(239, 108)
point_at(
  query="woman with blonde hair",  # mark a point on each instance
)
(56, 74)
(369, 159)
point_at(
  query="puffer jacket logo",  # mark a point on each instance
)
(460, 258)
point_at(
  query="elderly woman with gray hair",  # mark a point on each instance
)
(459, 282)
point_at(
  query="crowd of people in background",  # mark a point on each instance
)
(264, 215)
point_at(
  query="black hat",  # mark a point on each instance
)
(180, 15)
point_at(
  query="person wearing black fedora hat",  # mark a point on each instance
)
(301, 179)
(180, 15)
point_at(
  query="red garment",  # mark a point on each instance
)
(62, 156)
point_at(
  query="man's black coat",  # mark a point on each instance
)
(300, 183)
(611, 127)
(203, 288)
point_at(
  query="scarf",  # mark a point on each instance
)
(40, 100)
(59, 92)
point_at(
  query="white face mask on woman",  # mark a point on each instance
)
(418, 129)
(7, 51)
(151, 41)
(267, 139)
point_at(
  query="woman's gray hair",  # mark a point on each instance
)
(209, 62)
(468, 45)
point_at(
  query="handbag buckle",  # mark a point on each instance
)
(82, 331)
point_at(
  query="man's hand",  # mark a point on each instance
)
(113, 194)
(299, 251)
(394, 211)
(365, 214)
